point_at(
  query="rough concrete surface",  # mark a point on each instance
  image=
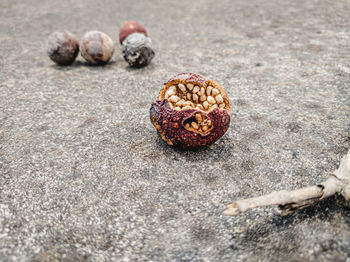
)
(84, 176)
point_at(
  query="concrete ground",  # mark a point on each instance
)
(84, 176)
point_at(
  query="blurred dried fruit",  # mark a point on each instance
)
(96, 47)
(62, 47)
(130, 27)
(183, 119)
(137, 50)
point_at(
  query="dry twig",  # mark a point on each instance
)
(288, 201)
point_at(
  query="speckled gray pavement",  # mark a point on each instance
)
(85, 177)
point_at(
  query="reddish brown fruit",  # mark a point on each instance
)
(191, 111)
(130, 27)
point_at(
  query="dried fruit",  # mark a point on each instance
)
(62, 47)
(137, 50)
(130, 27)
(182, 119)
(96, 47)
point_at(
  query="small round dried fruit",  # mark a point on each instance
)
(96, 47)
(191, 111)
(130, 27)
(62, 47)
(137, 50)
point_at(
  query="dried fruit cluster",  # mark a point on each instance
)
(97, 48)
(191, 111)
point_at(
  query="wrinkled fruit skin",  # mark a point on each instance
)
(172, 130)
(137, 50)
(170, 123)
(96, 47)
(130, 27)
(62, 48)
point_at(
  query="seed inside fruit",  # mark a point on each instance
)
(203, 98)
(200, 107)
(209, 88)
(199, 123)
(190, 87)
(182, 88)
(211, 100)
(189, 96)
(198, 117)
(174, 99)
(215, 92)
(219, 99)
(183, 96)
(194, 125)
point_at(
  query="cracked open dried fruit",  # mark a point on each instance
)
(130, 27)
(62, 47)
(96, 47)
(187, 121)
(137, 50)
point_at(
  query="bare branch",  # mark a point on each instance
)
(289, 201)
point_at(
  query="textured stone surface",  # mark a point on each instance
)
(84, 176)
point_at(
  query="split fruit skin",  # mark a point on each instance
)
(178, 127)
(62, 47)
(96, 47)
(130, 27)
(137, 50)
